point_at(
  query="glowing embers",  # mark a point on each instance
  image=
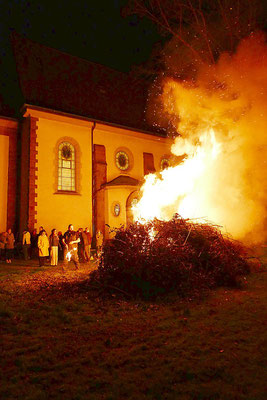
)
(180, 189)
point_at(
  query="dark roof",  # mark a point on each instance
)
(122, 180)
(51, 79)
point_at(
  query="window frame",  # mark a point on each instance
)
(61, 188)
(129, 159)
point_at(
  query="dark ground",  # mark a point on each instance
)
(63, 339)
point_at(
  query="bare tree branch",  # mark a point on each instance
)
(203, 28)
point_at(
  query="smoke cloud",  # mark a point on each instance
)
(229, 98)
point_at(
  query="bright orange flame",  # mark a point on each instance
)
(222, 131)
(179, 188)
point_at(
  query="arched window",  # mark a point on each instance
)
(66, 167)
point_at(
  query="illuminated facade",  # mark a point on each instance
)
(81, 150)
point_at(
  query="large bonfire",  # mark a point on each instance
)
(186, 213)
(159, 257)
(222, 125)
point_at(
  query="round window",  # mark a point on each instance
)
(165, 163)
(122, 160)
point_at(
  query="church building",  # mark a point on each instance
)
(81, 148)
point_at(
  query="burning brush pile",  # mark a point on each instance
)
(178, 256)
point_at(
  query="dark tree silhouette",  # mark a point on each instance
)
(197, 31)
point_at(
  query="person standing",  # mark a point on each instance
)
(54, 244)
(60, 247)
(87, 240)
(41, 229)
(43, 246)
(99, 242)
(70, 241)
(10, 240)
(80, 245)
(3, 246)
(34, 244)
(26, 243)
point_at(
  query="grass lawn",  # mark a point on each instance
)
(62, 339)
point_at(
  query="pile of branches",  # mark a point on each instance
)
(179, 256)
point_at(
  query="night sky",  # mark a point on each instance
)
(92, 29)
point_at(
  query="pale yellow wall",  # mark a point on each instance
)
(116, 194)
(138, 143)
(114, 138)
(4, 150)
(59, 210)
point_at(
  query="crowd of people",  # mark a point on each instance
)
(71, 246)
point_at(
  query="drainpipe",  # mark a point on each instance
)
(93, 157)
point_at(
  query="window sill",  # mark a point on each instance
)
(69, 192)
